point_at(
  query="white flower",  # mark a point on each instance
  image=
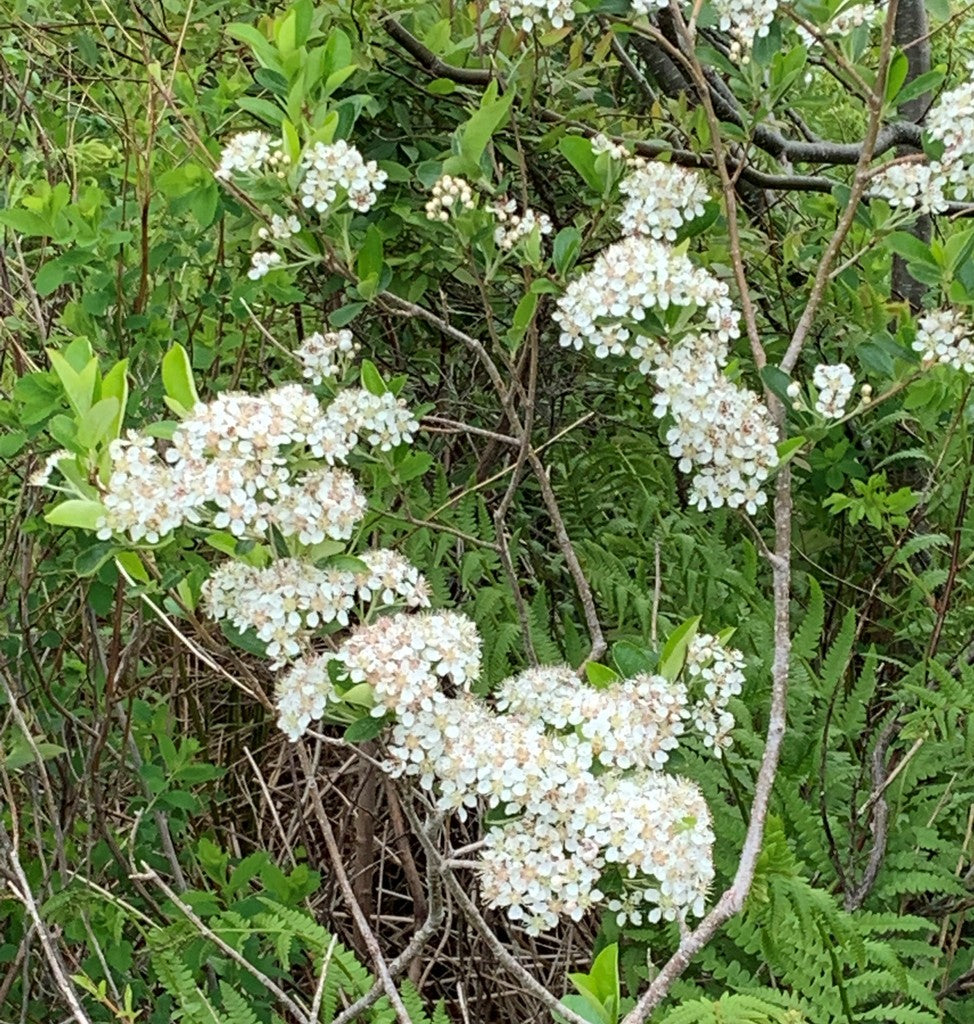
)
(844, 22)
(721, 431)
(913, 186)
(262, 263)
(513, 227)
(745, 20)
(144, 498)
(661, 198)
(529, 14)
(42, 477)
(945, 337)
(338, 167)
(449, 195)
(382, 421)
(402, 657)
(322, 503)
(280, 228)
(249, 153)
(603, 144)
(834, 384)
(326, 355)
(629, 278)
(302, 694)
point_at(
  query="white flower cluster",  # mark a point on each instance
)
(654, 829)
(846, 21)
(302, 695)
(715, 674)
(262, 263)
(628, 279)
(661, 198)
(337, 166)
(633, 724)
(288, 599)
(250, 153)
(927, 187)
(449, 195)
(834, 383)
(229, 464)
(513, 227)
(280, 229)
(945, 337)
(384, 421)
(327, 355)
(720, 430)
(142, 497)
(403, 657)
(745, 20)
(322, 503)
(529, 14)
(913, 186)
(579, 766)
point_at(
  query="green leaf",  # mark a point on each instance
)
(79, 386)
(922, 84)
(675, 650)
(898, 69)
(89, 561)
(477, 131)
(25, 222)
(789, 447)
(268, 112)
(76, 512)
(132, 565)
(604, 974)
(441, 86)
(600, 676)
(364, 729)
(909, 247)
(115, 384)
(23, 753)
(258, 43)
(631, 660)
(96, 424)
(177, 378)
(344, 315)
(52, 275)
(523, 315)
(776, 381)
(567, 246)
(368, 266)
(11, 442)
(372, 379)
(578, 152)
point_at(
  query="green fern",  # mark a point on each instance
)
(731, 1009)
(237, 1010)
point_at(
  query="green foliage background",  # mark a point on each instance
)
(120, 755)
